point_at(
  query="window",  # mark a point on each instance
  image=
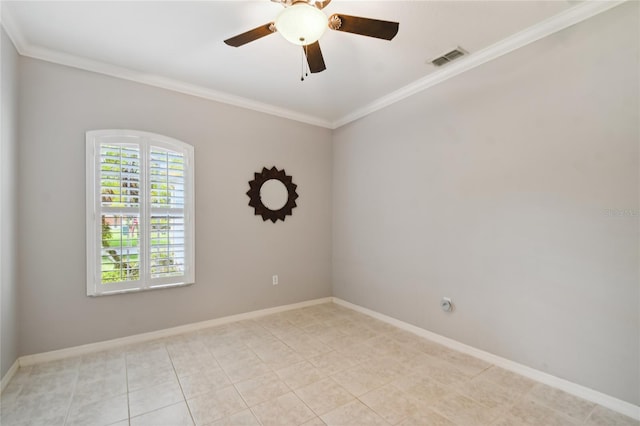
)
(140, 225)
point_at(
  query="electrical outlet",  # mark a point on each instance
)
(274, 280)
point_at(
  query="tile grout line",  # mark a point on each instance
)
(291, 390)
(584, 422)
(173, 366)
(231, 381)
(73, 394)
(273, 370)
(126, 380)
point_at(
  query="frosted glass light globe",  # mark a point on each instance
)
(301, 23)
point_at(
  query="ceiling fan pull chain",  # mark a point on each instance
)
(302, 66)
(304, 61)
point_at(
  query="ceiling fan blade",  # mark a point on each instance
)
(314, 57)
(364, 26)
(251, 35)
(322, 4)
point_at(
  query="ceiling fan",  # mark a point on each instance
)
(303, 22)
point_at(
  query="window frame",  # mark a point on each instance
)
(94, 211)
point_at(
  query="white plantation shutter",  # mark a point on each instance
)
(167, 186)
(120, 212)
(140, 228)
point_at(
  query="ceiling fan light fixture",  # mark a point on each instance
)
(301, 23)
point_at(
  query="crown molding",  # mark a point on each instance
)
(11, 28)
(168, 84)
(569, 17)
(24, 48)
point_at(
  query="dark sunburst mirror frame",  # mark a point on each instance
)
(255, 200)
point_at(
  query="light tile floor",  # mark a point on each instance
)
(324, 364)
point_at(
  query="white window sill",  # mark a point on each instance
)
(138, 290)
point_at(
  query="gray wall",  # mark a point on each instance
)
(9, 202)
(494, 189)
(236, 252)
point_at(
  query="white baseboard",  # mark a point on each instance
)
(159, 334)
(605, 400)
(9, 375)
(580, 391)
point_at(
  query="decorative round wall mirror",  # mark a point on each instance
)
(272, 194)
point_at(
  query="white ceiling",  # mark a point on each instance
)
(179, 45)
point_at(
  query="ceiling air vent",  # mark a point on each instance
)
(448, 57)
